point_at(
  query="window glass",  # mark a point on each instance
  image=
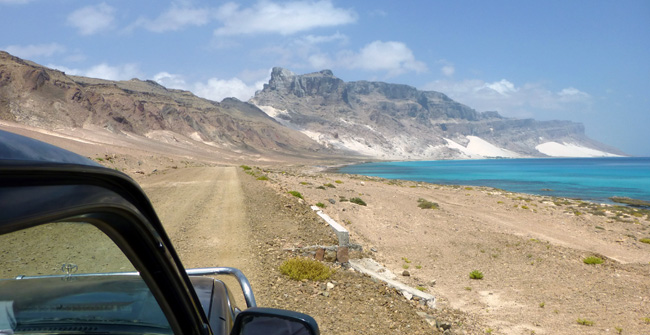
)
(66, 275)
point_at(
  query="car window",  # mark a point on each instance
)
(67, 275)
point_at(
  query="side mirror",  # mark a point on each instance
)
(271, 321)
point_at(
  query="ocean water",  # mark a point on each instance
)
(593, 179)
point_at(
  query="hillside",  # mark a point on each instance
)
(43, 98)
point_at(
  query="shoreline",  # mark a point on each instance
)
(530, 248)
(541, 179)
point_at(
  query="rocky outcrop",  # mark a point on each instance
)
(394, 121)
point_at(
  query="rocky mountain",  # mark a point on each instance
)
(40, 97)
(294, 117)
(391, 121)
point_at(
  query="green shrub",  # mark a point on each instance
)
(245, 167)
(645, 240)
(421, 288)
(296, 194)
(426, 204)
(330, 185)
(321, 187)
(358, 201)
(593, 260)
(320, 204)
(585, 322)
(299, 268)
(476, 274)
(262, 178)
(338, 182)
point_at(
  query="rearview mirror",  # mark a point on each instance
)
(271, 321)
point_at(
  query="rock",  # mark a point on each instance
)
(330, 286)
(326, 294)
(443, 325)
(332, 201)
(373, 249)
(320, 254)
(406, 273)
(342, 255)
(407, 295)
(432, 282)
(330, 255)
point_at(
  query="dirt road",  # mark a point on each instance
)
(219, 216)
(203, 212)
(204, 215)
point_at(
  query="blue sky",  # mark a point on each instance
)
(585, 61)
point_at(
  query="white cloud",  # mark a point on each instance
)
(394, 58)
(92, 19)
(104, 71)
(219, 89)
(448, 70)
(35, 50)
(281, 18)
(510, 99)
(170, 80)
(176, 18)
(214, 88)
(502, 87)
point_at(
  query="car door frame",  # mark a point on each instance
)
(115, 204)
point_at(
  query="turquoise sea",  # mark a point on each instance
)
(594, 179)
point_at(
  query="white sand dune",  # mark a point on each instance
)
(564, 149)
(480, 148)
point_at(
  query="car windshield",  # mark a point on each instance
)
(70, 277)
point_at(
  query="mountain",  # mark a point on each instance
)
(295, 117)
(390, 121)
(44, 98)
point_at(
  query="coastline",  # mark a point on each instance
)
(587, 179)
(530, 248)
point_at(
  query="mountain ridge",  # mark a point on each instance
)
(396, 121)
(311, 116)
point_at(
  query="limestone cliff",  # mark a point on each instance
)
(391, 121)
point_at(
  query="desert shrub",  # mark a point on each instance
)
(421, 288)
(299, 268)
(320, 204)
(469, 188)
(593, 260)
(476, 274)
(585, 322)
(358, 201)
(296, 194)
(330, 185)
(245, 167)
(343, 199)
(262, 178)
(338, 182)
(426, 204)
(645, 240)
(321, 187)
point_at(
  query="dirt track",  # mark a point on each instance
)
(203, 212)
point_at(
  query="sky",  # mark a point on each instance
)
(584, 61)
